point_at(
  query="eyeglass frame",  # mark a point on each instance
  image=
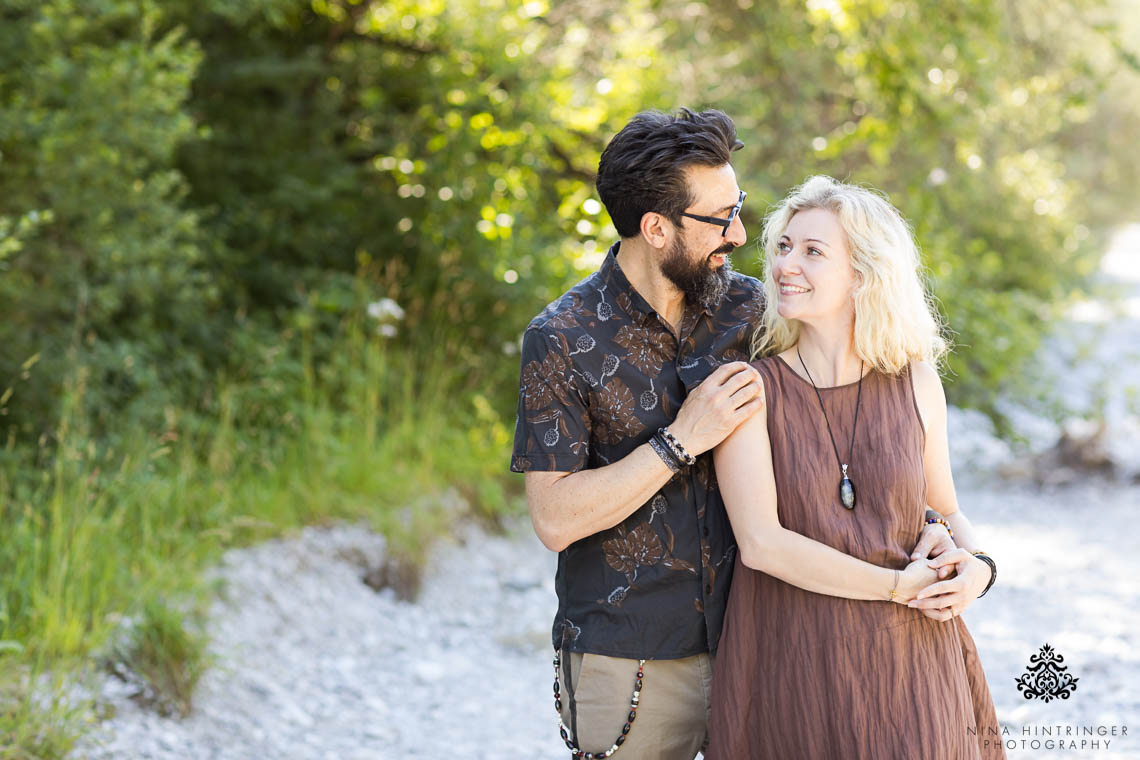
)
(726, 223)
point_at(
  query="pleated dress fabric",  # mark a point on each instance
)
(806, 675)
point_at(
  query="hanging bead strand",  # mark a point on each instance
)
(633, 703)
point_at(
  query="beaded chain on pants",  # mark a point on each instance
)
(624, 729)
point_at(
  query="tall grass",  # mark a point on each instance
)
(105, 541)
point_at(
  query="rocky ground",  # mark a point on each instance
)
(314, 664)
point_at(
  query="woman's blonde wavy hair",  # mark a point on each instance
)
(896, 321)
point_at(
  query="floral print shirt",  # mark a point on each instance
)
(601, 372)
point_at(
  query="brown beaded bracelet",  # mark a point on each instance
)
(943, 523)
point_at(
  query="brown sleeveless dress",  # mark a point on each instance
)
(805, 675)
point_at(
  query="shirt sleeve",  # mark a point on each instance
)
(552, 430)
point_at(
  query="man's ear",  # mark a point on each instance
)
(656, 229)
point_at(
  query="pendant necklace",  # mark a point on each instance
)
(846, 487)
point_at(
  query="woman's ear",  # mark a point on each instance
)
(861, 275)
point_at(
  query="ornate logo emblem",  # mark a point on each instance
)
(1045, 678)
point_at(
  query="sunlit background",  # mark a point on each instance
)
(266, 264)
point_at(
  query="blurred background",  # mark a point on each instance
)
(266, 264)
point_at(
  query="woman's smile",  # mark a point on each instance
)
(787, 289)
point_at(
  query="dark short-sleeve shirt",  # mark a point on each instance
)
(601, 372)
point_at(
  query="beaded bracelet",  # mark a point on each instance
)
(663, 451)
(678, 451)
(943, 523)
(993, 570)
(676, 447)
(633, 703)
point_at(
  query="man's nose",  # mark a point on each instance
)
(737, 235)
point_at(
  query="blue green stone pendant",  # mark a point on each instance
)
(846, 490)
(846, 487)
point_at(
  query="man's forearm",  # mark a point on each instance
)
(963, 531)
(589, 501)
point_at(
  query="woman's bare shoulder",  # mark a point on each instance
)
(927, 381)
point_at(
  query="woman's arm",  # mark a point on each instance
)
(950, 597)
(748, 486)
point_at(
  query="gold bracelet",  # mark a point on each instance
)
(894, 589)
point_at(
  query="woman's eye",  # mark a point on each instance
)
(816, 251)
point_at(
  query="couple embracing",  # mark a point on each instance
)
(760, 550)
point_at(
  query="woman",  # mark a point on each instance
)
(836, 644)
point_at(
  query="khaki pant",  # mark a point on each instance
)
(672, 716)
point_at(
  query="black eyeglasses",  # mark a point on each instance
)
(726, 223)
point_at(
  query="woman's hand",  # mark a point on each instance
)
(946, 599)
(934, 541)
(917, 576)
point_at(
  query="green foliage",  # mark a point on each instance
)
(113, 534)
(963, 114)
(369, 437)
(180, 176)
(448, 148)
(447, 159)
(100, 261)
(35, 723)
(168, 653)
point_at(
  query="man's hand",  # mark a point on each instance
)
(934, 542)
(947, 599)
(726, 398)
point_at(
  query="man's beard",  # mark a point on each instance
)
(701, 284)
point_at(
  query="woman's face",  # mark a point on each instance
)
(812, 269)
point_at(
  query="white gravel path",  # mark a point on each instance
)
(317, 665)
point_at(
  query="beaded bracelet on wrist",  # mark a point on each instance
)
(943, 523)
(676, 447)
(993, 570)
(678, 453)
(665, 453)
(633, 702)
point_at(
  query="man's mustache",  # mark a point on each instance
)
(724, 249)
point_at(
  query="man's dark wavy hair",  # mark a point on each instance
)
(643, 167)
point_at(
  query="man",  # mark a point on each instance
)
(634, 372)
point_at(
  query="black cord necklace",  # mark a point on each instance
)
(846, 487)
